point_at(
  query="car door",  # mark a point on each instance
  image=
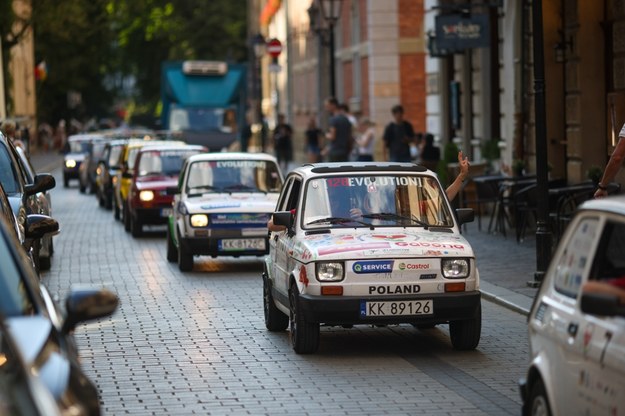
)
(562, 337)
(601, 377)
(284, 240)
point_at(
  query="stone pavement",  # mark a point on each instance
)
(505, 266)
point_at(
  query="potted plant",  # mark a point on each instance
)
(518, 167)
(594, 173)
(491, 152)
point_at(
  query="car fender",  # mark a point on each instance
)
(539, 368)
(299, 276)
(268, 267)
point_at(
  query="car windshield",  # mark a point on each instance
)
(14, 299)
(163, 162)
(8, 172)
(233, 176)
(379, 200)
(79, 147)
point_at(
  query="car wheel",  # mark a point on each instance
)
(126, 216)
(185, 260)
(116, 211)
(101, 201)
(304, 335)
(275, 320)
(65, 181)
(136, 229)
(539, 403)
(172, 251)
(82, 188)
(45, 262)
(92, 188)
(108, 202)
(465, 334)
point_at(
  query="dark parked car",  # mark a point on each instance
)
(106, 171)
(87, 170)
(45, 248)
(22, 194)
(42, 334)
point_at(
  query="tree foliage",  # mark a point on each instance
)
(100, 47)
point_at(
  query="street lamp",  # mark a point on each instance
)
(331, 12)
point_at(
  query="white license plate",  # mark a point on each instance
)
(240, 244)
(166, 212)
(397, 308)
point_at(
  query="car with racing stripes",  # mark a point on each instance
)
(369, 243)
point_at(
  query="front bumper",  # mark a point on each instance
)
(151, 216)
(345, 310)
(71, 173)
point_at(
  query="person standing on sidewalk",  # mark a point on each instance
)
(613, 166)
(398, 136)
(313, 134)
(283, 142)
(365, 140)
(339, 135)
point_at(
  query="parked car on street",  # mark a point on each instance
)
(87, 170)
(44, 249)
(106, 171)
(23, 194)
(77, 148)
(369, 243)
(222, 205)
(41, 331)
(577, 322)
(157, 168)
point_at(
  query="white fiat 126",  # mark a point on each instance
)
(369, 243)
(221, 206)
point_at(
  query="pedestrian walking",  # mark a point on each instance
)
(339, 135)
(313, 145)
(283, 142)
(365, 140)
(613, 166)
(398, 137)
(430, 154)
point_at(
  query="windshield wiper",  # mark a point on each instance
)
(393, 216)
(207, 187)
(339, 220)
(239, 187)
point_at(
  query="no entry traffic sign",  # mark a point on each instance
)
(274, 47)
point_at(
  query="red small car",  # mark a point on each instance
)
(156, 168)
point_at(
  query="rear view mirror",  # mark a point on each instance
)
(465, 215)
(43, 182)
(38, 225)
(601, 304)
(284, 218)
(88, 304)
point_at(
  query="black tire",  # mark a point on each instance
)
(172, 251)
(101, 201)
(304, 335)
(275, 320)
(136, 228)
(108, 202)
(185, 260)
(65, 182)
(92, 188)
(465, 334)
(126, 216)
(538, 400)
(45, 262)
(82, 188)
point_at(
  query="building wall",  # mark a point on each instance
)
(22, 68)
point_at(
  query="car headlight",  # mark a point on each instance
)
(199, 220)
(329, 271)
(455, 268)
(98, 170)
(146, 196)
(70, 163)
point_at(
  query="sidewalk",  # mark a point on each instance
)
(505, 266)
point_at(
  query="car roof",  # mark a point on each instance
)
(232, 156)
(613, 204)
(163, 147)
(313, 169)
(85, 137)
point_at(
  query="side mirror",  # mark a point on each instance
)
(601, 304)
(38, 225)
(284, 219)
(43, 182)
(172, 190)
(88, 304)
(465, 215)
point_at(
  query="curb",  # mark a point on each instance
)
(506, 298)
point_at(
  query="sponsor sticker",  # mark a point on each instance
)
(380, 266)
(413, 266)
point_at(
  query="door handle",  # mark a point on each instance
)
(572, 329)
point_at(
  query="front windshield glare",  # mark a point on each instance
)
(233, 176)
(389, 200)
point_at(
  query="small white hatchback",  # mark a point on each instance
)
(577, 322)
(369, 243)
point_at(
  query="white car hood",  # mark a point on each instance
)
(236, 202)
(381, 243)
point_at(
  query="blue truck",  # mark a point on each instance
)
(203, 102)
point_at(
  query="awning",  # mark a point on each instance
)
(270, 9)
